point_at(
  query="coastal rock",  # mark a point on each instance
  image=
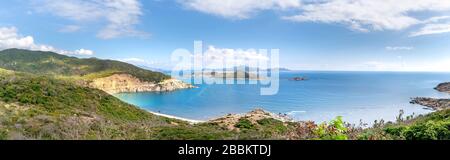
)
(443, 87)
(229, 121)
(435, 104)
(122, 83)
(298, 79)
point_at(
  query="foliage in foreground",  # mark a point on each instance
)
(434, 126)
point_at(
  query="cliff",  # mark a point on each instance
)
(121, 83)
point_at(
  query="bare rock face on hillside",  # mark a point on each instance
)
(123, 83)
(443, 87)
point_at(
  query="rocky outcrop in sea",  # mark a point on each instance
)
(443, 87)
(433, 103)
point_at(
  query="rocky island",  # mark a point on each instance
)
(298, 79)
(435, 104)
(443, 87)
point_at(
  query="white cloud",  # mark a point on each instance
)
(9, 38)
(84, 52)
(442, 65)
(224, 57)
(70, 29)
(238, 9)
(358, 15)
(399, 48)
(120, 16)
(432, 29)
(368, 15)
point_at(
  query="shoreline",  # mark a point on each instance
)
(191, 121)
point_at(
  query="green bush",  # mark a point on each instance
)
(395, 130)
(430, 130)
(244, 123)
(335, 130)
(3, 134)
(272, 125)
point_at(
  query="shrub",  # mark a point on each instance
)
(272, 125)
(244, 123)
(395, 131)
(335, 130)
(3, 135)
(430, 130)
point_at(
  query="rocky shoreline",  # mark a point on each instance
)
(125, 83)
(433, 103)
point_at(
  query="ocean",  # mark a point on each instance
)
(356, 96)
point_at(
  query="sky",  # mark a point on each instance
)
(350, 35)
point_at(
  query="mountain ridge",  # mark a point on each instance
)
(108, 75)
(51, 63)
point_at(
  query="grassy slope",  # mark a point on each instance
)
(40, 107)
(55, 64)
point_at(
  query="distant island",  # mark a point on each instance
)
(443, 87)
(236, 75)
(242, 72)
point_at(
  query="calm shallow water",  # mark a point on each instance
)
(356, 96)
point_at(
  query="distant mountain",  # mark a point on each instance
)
(155, 69)
(247, 68)
(284, 69)
(50, 63)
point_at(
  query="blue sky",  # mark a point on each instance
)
(378, 35)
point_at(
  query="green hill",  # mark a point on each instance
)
(42, 107)
(49, 63)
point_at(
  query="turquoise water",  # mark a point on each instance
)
(356, 96)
